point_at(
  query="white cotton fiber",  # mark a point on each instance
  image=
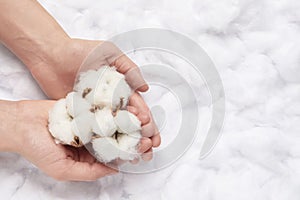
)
(106, 149)
(60, 123)
(128, 145)
(127, 122)
(111, 89)
(76, 104)
(104, 123)
(82, 127)
(87, 79)
(93, 114)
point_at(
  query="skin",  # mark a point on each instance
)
(54, 59)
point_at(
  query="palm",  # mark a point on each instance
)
(58, 161)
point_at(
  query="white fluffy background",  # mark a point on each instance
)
(256, 48)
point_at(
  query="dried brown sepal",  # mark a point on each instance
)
(115, 135)
(94, 108)
(86, 91)
(76, 142)
(114, 112)
(121, 102)
(95, 136)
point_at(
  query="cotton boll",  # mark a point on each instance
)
(89, 111)
(86, 79)
(59, 112)
(121, 94)
(60, 123)
(104, 124)
(129, 140)
(111, 89)
(104, 86)
(82, 127)
(62, 132)
(128, 145)
(106, 149)
(127, 122)
(76, 105)
(87, 83)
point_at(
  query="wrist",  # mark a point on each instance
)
(48, 52)
(56, 73)
(9, 138)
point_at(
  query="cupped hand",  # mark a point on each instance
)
(58, 161)
(56, 77)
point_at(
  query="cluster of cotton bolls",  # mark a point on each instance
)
(95, 113)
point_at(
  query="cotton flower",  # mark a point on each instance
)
(106, 149)
(94, 114)
(76, 105)
(60, 125)
(104, 87)
(104, 124)
(127, 122)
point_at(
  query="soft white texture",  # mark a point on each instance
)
(127, 122)
(126, 142)
(107, 87)
(89, 120)
(124, 147)
(104, 124)
(60, 123)
(106, 149)
(128, 145)
(87, 79)
(82, 127)
(76, 105)
(112, 88)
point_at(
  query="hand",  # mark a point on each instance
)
(34, 142)
(66, 66)
(54, 58)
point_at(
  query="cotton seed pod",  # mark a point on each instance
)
(93, 114)
(106, 149)
(104, 124)
(82, 127)
(87, 80)
(60, 124)
(112, 89)
(127, 122)
(128, 145)
(76, 104)
(104, 87)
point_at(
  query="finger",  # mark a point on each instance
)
(143, 117)
(148, 129)
(135, 161)
(133, 110)
(144, 145)
(135, 79)
(108, 53)
(156, 140)
(83, 171)
(148, 155)
(119, 162)
(132, 73)
(141, 108)
(138, 102)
